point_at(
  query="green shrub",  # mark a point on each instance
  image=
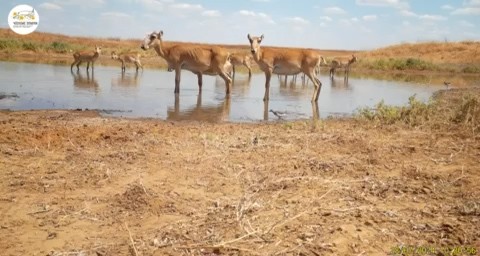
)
(29, 46)
(6, 44)
(414, 114)
(59, 47)
(468, 111)
(401, 64)
(471, 69)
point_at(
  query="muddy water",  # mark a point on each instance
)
(149, 93)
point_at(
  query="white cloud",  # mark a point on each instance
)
(354, 19)
(298, 21)
(467, 11)
(114, 15)
(187, 7)
(369, 17)
(447, 7)
(260, 15)
(50, 6)
(431, 17)
(325, 18)
(470, 7)
(466, 24)
(211, 13)
(408, 13)
(82, 3)
(334, 10)
(247, 13)
(345, 22)
(472, 3)
(384, 3)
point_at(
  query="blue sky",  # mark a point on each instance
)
(323, 24)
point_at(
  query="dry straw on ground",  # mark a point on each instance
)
(74, 183)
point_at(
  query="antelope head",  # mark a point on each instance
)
(150, 39)
(98, 49)
(354, 58)
(255, 43)
(114, 55)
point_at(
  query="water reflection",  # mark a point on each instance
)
(240, 85)
(149, 93)
(199, 112)
(288, 115)
(126, 80)
(85, 82)
(340, 84)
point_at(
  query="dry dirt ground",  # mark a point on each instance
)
(75, 183)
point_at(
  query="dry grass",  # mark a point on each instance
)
(467, 52)
(463, 57)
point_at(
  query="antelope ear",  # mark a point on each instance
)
(261, 37)
(161, 33)
(249, 37)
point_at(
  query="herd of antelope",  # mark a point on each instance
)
(214, 60)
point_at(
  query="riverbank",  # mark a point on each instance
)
(438, 57)
(391, 179)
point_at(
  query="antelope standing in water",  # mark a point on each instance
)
(198, 59)
(285, 62)
(128, 58)
(238, 59)
(89, 57)
(342, 63)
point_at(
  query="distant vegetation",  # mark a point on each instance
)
(455, 57)
(462, 57)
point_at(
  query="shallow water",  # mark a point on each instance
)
(150, 94)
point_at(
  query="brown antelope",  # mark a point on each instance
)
(127, 58)
(342, 62)
(198, 59)
(285, 62)
(317, 71)
(238, 59)
(89, 57)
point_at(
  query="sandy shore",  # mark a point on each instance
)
(76, 183)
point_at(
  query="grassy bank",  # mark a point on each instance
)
(448, 109)
(457, 57)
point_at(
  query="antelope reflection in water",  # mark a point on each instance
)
(212, 114)
(343, 84)
(240, 86)
(85, 82)
(126, 80)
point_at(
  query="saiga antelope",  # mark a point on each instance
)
(80, 57)
(238, 59)
(285, 62)
(342, 63)
(210, 60)
(128, 58)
